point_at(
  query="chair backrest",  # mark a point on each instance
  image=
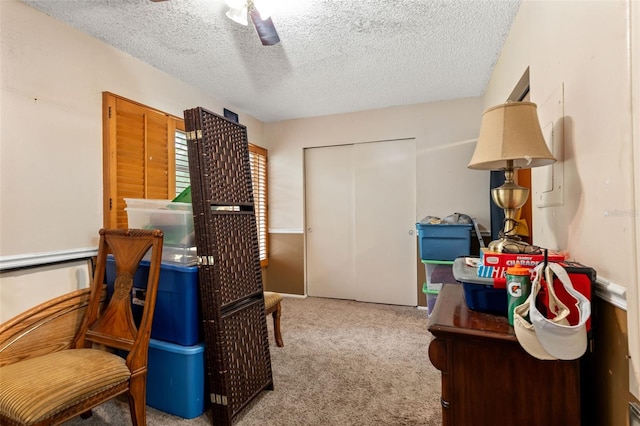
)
(48, 327)
(114, 325)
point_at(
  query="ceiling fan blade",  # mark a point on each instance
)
(265, 29)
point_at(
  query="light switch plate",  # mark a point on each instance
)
(549, 180)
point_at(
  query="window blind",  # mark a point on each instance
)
(182, 162)
(258, 163)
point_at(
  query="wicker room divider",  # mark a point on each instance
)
(237, 357)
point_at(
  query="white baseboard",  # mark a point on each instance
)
(297, 296)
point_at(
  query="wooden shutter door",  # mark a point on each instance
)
(139, 156)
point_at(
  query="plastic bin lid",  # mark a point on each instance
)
(443, 225)
(175, 348)
(468, 274)
(427, 290)
(184, 196)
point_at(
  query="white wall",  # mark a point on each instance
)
(52, 78)
(51, 130)
(584, 47)
(445, 134)
(633, 294)
(22, 288)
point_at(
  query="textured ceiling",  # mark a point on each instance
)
(335, 56)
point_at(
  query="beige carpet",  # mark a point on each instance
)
(344, 363)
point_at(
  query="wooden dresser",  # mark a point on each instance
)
(488, 379)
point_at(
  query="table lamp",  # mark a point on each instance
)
(510, 138)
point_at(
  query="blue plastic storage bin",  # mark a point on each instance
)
(479, 292)
(485, 298)
(444, 241)
(176, 379)
(176, 318)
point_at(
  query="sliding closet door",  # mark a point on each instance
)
(360, 210)
(385, 200)
(330, 222)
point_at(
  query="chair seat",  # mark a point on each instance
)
(272, 306)
(271, 299)
(36, 388)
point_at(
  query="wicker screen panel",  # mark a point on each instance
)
(243, 369)
(224, 159)
(229, 275)
(234, 244)
(247, 351)
(195, 152)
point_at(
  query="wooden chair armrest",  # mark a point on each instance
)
(48, 327)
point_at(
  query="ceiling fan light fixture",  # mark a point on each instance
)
(238, 15)
(239, 9)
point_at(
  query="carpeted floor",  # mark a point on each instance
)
(344, 363)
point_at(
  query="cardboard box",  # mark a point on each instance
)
(490, 258)
(494, 265)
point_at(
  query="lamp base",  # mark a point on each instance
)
(508, 245)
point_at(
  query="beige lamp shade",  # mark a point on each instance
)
(511, 131)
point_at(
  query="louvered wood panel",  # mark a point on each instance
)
(130, 178)
(139, 155)
(157, 148)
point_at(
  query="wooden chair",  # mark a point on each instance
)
(272, 306)
(53, 362)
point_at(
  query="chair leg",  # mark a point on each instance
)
(276, 325)
(138, 400)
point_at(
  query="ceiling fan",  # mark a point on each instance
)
(260, 16)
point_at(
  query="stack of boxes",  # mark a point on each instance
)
(485, 284)
(439, 245)
(176, 374)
